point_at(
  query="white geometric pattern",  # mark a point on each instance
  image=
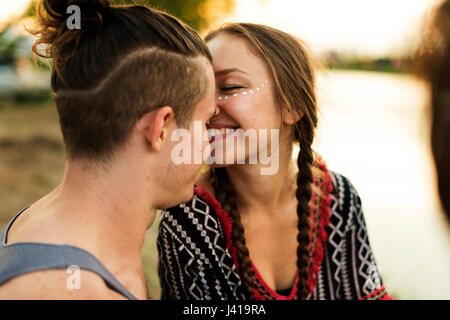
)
(196, 264)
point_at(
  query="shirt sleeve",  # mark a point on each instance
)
(361, 278)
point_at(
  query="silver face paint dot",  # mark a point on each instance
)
(243, 93)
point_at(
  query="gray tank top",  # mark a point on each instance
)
(23, 257)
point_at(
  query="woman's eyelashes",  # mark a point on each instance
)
(231, 88)
(230, 91)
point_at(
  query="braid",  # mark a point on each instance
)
(303, 194)
(292, 70)
(226, 195)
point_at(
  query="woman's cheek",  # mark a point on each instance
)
(245, 113)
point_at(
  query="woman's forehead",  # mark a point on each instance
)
(232, 52)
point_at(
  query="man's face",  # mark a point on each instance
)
(180, 178)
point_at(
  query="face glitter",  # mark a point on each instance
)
(244, 93)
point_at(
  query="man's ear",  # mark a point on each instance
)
(155, 125)
(291, 117)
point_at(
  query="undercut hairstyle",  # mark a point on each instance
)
(124, 62)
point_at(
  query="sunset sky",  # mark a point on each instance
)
(363, 26)
(12, 8)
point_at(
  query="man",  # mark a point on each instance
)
(123, 83)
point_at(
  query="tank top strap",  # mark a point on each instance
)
(24, 257)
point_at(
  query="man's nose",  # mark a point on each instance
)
(218, 106)
(218, 109)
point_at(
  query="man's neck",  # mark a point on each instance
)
(106, 214)
(112, 204)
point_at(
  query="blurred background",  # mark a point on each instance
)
(373, 121)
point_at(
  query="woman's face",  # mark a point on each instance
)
(244, 91)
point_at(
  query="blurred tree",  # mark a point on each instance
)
(199, 14)
(8, 46)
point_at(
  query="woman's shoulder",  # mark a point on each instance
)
(339, 195)
(343, 190)
(335, 190)
(345, 205)
(342, 186)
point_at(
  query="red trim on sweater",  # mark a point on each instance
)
(382, 292)
(324, 220)
(321, 238)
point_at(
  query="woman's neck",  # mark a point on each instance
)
(258, 191)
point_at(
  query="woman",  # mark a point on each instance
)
(297, 234)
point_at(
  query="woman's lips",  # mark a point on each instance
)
(222, 136)
(225, 131)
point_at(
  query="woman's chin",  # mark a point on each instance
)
(223, 162)
(224, 165)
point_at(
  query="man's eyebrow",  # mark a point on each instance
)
(227, 71)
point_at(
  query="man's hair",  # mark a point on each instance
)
(123, 63)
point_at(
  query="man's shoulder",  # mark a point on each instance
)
(57, 284)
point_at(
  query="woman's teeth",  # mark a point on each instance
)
(224, 130)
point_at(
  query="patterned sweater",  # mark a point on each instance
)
(197, 259)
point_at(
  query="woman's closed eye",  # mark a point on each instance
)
(231, 88)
